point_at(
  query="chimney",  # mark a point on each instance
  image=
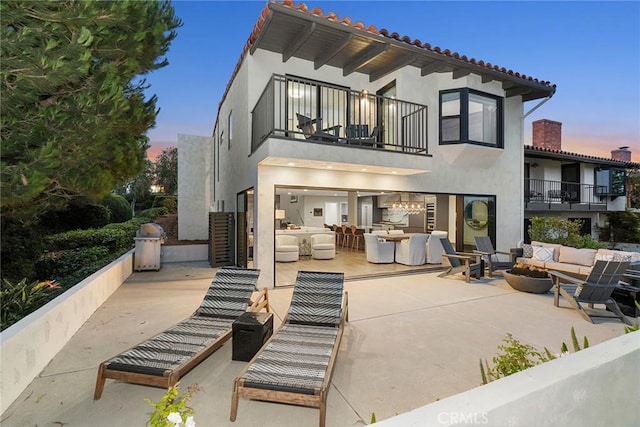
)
(622, 154)
(547, 134)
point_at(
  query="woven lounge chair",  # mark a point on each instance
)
(161, 360)
(296, 364)
(595, 289)
(491, 256)
(466, 263)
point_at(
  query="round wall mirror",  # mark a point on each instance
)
(476, 214)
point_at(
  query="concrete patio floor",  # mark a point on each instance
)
(411, 340)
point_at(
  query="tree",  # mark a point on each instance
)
(74, 112)
(633, 189)
(138, 188)
(166, 170)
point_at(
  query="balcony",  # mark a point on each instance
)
(540, 194)
(313, 112)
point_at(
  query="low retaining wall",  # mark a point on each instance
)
(183, 253)
(29, 345)
(597, 386)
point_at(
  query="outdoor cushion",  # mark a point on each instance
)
(556, 254)
(543, 254)
(564, 267)
(571, 255)
(527, 251)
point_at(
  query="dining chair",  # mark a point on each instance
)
(357, 236)
(346, 235)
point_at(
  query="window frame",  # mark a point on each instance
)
(463, 117)
(611, 182)
(229, 129)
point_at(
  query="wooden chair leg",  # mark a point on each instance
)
(234, 402)
(99, 383)
(615, 309)
(323, 410)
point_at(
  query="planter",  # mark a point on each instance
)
(534, 285)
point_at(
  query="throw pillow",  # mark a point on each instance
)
(543, 254)
(621, 258)
(604, 257)
(527, 250)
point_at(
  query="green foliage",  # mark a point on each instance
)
(516, 357)
(152, 214)
(172, 403)
(169, 202)
(562, 231)
(137, 190)
(622, 227)
(166, 170)
(74, 111)
(20, 246)
(70, 266)
(76, 216)
(119, 208)
(373, 418)
(21, 298)
(636, 324)
(116, 240)
(633, 188)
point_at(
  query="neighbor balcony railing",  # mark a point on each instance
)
(543, 191)
(346, 116)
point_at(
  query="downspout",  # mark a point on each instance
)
(524, 116)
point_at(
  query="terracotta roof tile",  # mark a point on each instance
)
(332, 16)
(630, 165)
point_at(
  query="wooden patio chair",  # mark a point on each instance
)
(461, 262)
(296, 364)
(595, 289)
(491, 256)
(312, 129)
(163, 359)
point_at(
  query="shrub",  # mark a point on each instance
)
(563, 231)
(66, 266)
(152, 214)
(119, 208)
(116, 240)
(169, 202)
(21, 298)
(76, 216)
(20, 246)
(622, 227)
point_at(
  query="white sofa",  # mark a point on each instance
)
(287, 249)
(576, 262)
(412, 251)
(323, 246)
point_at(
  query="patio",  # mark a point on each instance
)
(411, 340)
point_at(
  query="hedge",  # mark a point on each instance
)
(70, 266)
(116, 240)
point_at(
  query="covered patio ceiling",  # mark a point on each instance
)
(294, 31)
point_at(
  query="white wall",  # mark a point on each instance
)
(194, 191)
(30, 344)
(593, 387)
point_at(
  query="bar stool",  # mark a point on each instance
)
(346, 231)
(357, 236)
(339, 234)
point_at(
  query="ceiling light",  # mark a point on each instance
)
(329, 167)
(291, 164)
(363, 170)
(394, 172)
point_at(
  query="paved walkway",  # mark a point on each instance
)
(411, 340)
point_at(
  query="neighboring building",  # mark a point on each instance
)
(569, 185)
(319, 102)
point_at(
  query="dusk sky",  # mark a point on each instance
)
(590, 50)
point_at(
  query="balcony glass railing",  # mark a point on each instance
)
(318, 112)
(543, 191)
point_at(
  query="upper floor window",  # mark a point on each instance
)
(610, 182)
(470, 116)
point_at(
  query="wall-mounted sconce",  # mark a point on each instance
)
(534, 165)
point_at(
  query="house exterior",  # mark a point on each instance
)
(322, 102)
(570, 185)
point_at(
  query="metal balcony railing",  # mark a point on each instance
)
(303, 109)
(543, 191)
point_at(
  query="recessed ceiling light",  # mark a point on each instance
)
(363, 170)
(394, 172)
(305, 190)
(289, 193)
(329, 167)
(335, 194)
(291, 164)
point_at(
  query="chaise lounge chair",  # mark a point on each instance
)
(296, 364)
(595, 289)
(161, 360)
(466, 263)
(491, 256)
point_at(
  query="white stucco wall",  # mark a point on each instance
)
(461, 169)
(195, 164)
(593, 387)
(29, 345)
